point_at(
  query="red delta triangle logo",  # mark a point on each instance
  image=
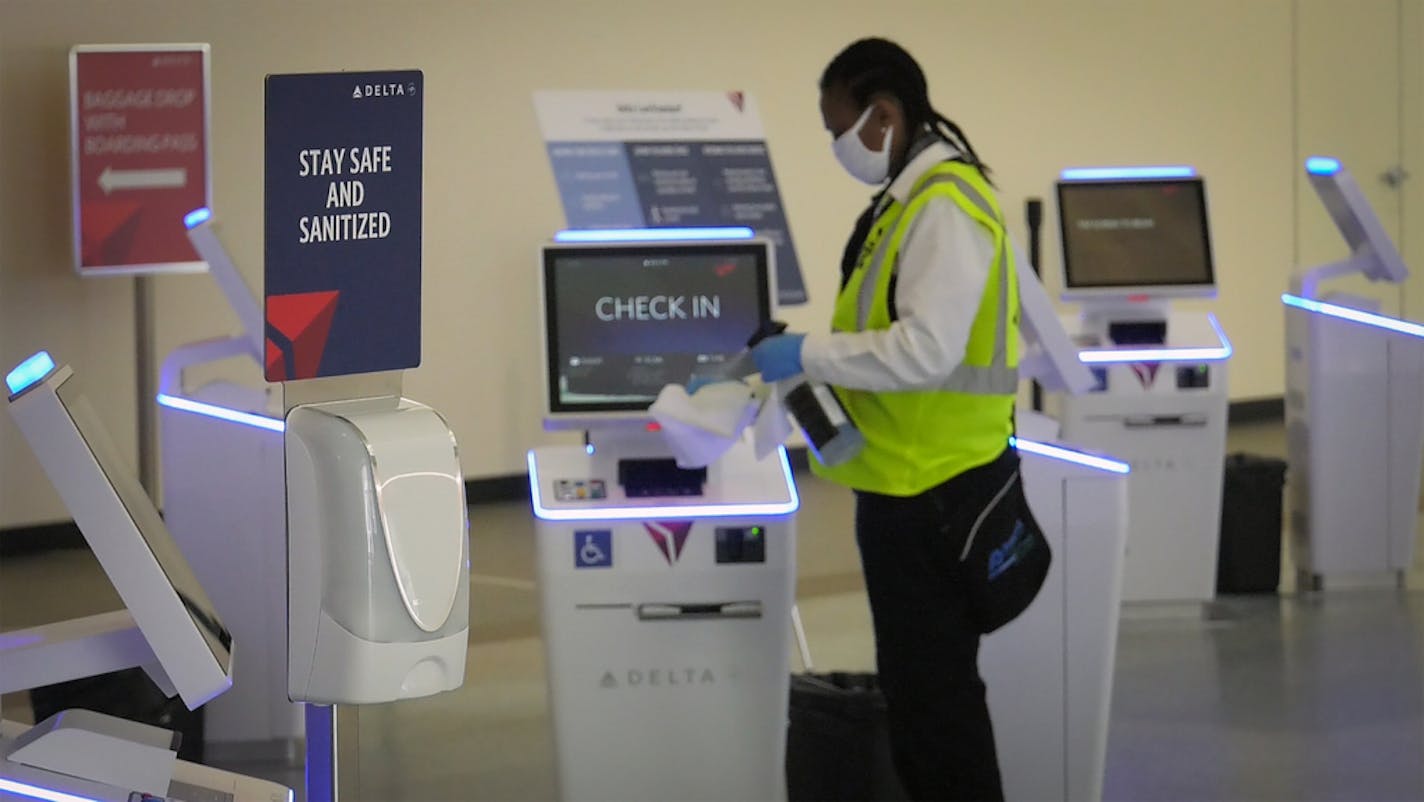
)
(738, 99)
(298, 327)
(670, 536)
(1146, 372)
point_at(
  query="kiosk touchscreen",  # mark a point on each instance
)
(1354, 404)
(1372, 252)
(123, 529)
(1135, 240)
(1138, 237)
(666, 593)
(622, 320)
(169, 626)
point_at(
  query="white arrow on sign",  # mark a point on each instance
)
(168, 178)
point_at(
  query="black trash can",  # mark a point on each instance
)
(837, 745)
(1249, 557)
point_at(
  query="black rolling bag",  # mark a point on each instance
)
(837, 745)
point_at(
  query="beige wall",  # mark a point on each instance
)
(1038, 84)
(1412, 150)
(1348, 106)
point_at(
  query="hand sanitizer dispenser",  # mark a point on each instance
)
(379, 552)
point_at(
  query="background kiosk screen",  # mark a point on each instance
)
(1127, 234)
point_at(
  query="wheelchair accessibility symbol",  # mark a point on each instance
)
(593, 548)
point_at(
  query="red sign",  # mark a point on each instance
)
(139, 155)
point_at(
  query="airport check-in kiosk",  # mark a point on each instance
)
(666, 616)
(224, 493)
(666, 593)
(169, 627)
(1133, 240)
(1354, 405)
(1050, 671)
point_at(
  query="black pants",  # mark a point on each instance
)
(926, 646)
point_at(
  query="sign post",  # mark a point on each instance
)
(342, 248)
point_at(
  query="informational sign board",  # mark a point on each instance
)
(667, 160)
(139, 156)
(343, 223)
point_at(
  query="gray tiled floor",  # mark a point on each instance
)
(1315, 696)
(1300, 698)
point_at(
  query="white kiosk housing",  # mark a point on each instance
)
(1354, 404)
(224, 500)
(666, 593)
(1050, 671)
(170, 626)
(1133, 240)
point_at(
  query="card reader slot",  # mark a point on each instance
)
(1162, 421)
(686, 611)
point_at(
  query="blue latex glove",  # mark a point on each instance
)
(698, 382)
(778, 357)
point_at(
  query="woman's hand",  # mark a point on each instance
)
(778, 357)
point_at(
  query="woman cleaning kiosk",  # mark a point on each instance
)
(923, 354)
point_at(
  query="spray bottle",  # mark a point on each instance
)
(833, 437)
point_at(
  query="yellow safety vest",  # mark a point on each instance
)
(915, 440)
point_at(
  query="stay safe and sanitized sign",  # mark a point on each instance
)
(139, 156)
(342, 198)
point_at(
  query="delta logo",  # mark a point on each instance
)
(363, 91)
(1146, 372)
(670, 537)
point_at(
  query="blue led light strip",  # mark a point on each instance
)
(38, 792)
(197, 217)
(222, 413)
(644, 513)
(1110, 173)
(1118, 356)
(652, 234)
(1069, 455)
(1322, 165)
(1354, 315)
(29, 373)
(649, 512)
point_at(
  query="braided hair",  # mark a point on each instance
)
(874, 66)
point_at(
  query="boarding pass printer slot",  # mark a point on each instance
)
(1161, 421)
(682, 612)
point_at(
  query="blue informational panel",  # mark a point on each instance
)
(342, 194)
(661, 160)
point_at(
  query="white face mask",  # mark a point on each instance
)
(861, 162)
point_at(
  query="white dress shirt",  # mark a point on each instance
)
(943, 268)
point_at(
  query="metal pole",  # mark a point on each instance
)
(1033, 210)
(146, 383)
(333, 739)
(801, 643)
